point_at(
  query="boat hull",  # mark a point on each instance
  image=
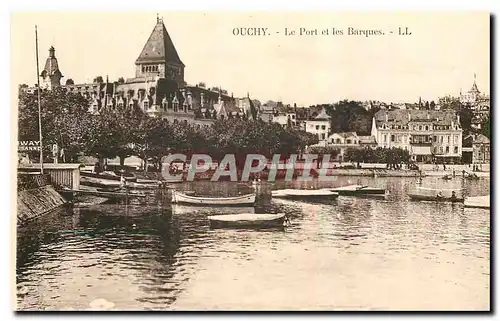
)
(477, 202)
(356, 190)
(128, 177)
(180, 198)
(247, 221)
(417, 197)
(305, 195)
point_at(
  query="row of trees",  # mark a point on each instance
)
(67, 123)
(393, 157)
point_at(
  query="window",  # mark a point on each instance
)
(120, 104)
(146, 104)
(448, 137)
(323, 127)
(419, 127)
(322, 136)
(456, 139)
(435, 139)
(426, 127)
(348, 141)
(441, 139)
(441, 149)
(456, 150)
(447, 149)
(393, 138)
(338, 140)
(317, 127)
(293, 116)
(385, 138)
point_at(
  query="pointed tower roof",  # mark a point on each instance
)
(474, 86)
(322, 115)
(51, 65)
(159, 47)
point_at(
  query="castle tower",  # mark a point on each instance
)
(51, 75)
(159, 58)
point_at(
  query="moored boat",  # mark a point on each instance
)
(108, 175)
(304, 194)
(182, 198)
(478, 202)
(354, 190)
(247, 220)
(435, 198)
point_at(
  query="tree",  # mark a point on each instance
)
(349, 116)
(64, 117)
(121, 80)
(355, 155)
(98, 80)
(69, 81)
(466, 116)
(432, 105)
(152, 140)
(487, 127)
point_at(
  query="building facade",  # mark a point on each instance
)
(158, 88)
(476, 149)
(429, 135)
(349, 140)
(320, 126)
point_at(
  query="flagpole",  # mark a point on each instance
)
(39, 103)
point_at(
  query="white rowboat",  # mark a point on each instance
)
(304, 194)
(478, 201)
(180, 198)
(247, 220)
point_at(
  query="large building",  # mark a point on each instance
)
(476, 149)
(319, 125)
(429, 135)
(158, 88)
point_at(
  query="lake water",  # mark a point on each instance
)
(349, 254)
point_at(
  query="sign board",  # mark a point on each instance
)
(28, 145)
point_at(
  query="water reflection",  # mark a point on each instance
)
(158, 256)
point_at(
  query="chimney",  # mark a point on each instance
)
(202, 99)
(409, 116)
(386, 117)
(458, 119)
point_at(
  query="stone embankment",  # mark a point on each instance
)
(35, 197)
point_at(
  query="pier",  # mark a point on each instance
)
(63, 175)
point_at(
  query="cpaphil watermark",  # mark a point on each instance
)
(255, 166)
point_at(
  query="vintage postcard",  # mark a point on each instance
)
(256, 161)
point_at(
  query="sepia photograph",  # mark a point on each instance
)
(251, 161)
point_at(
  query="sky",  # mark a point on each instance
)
(439, 58)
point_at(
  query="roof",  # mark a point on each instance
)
(474, 88)
(322, 115)
(346, 134)
(404, 116)
(159, 47)
(367, 140)
(51, 64)
(480, 138)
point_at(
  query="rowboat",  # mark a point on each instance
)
(105, 182)
(99, 182)
(304, 194)
(434, 198)
(181, 198)
(247, 220)
(477, 201)
(355, 190)
(110, 176)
